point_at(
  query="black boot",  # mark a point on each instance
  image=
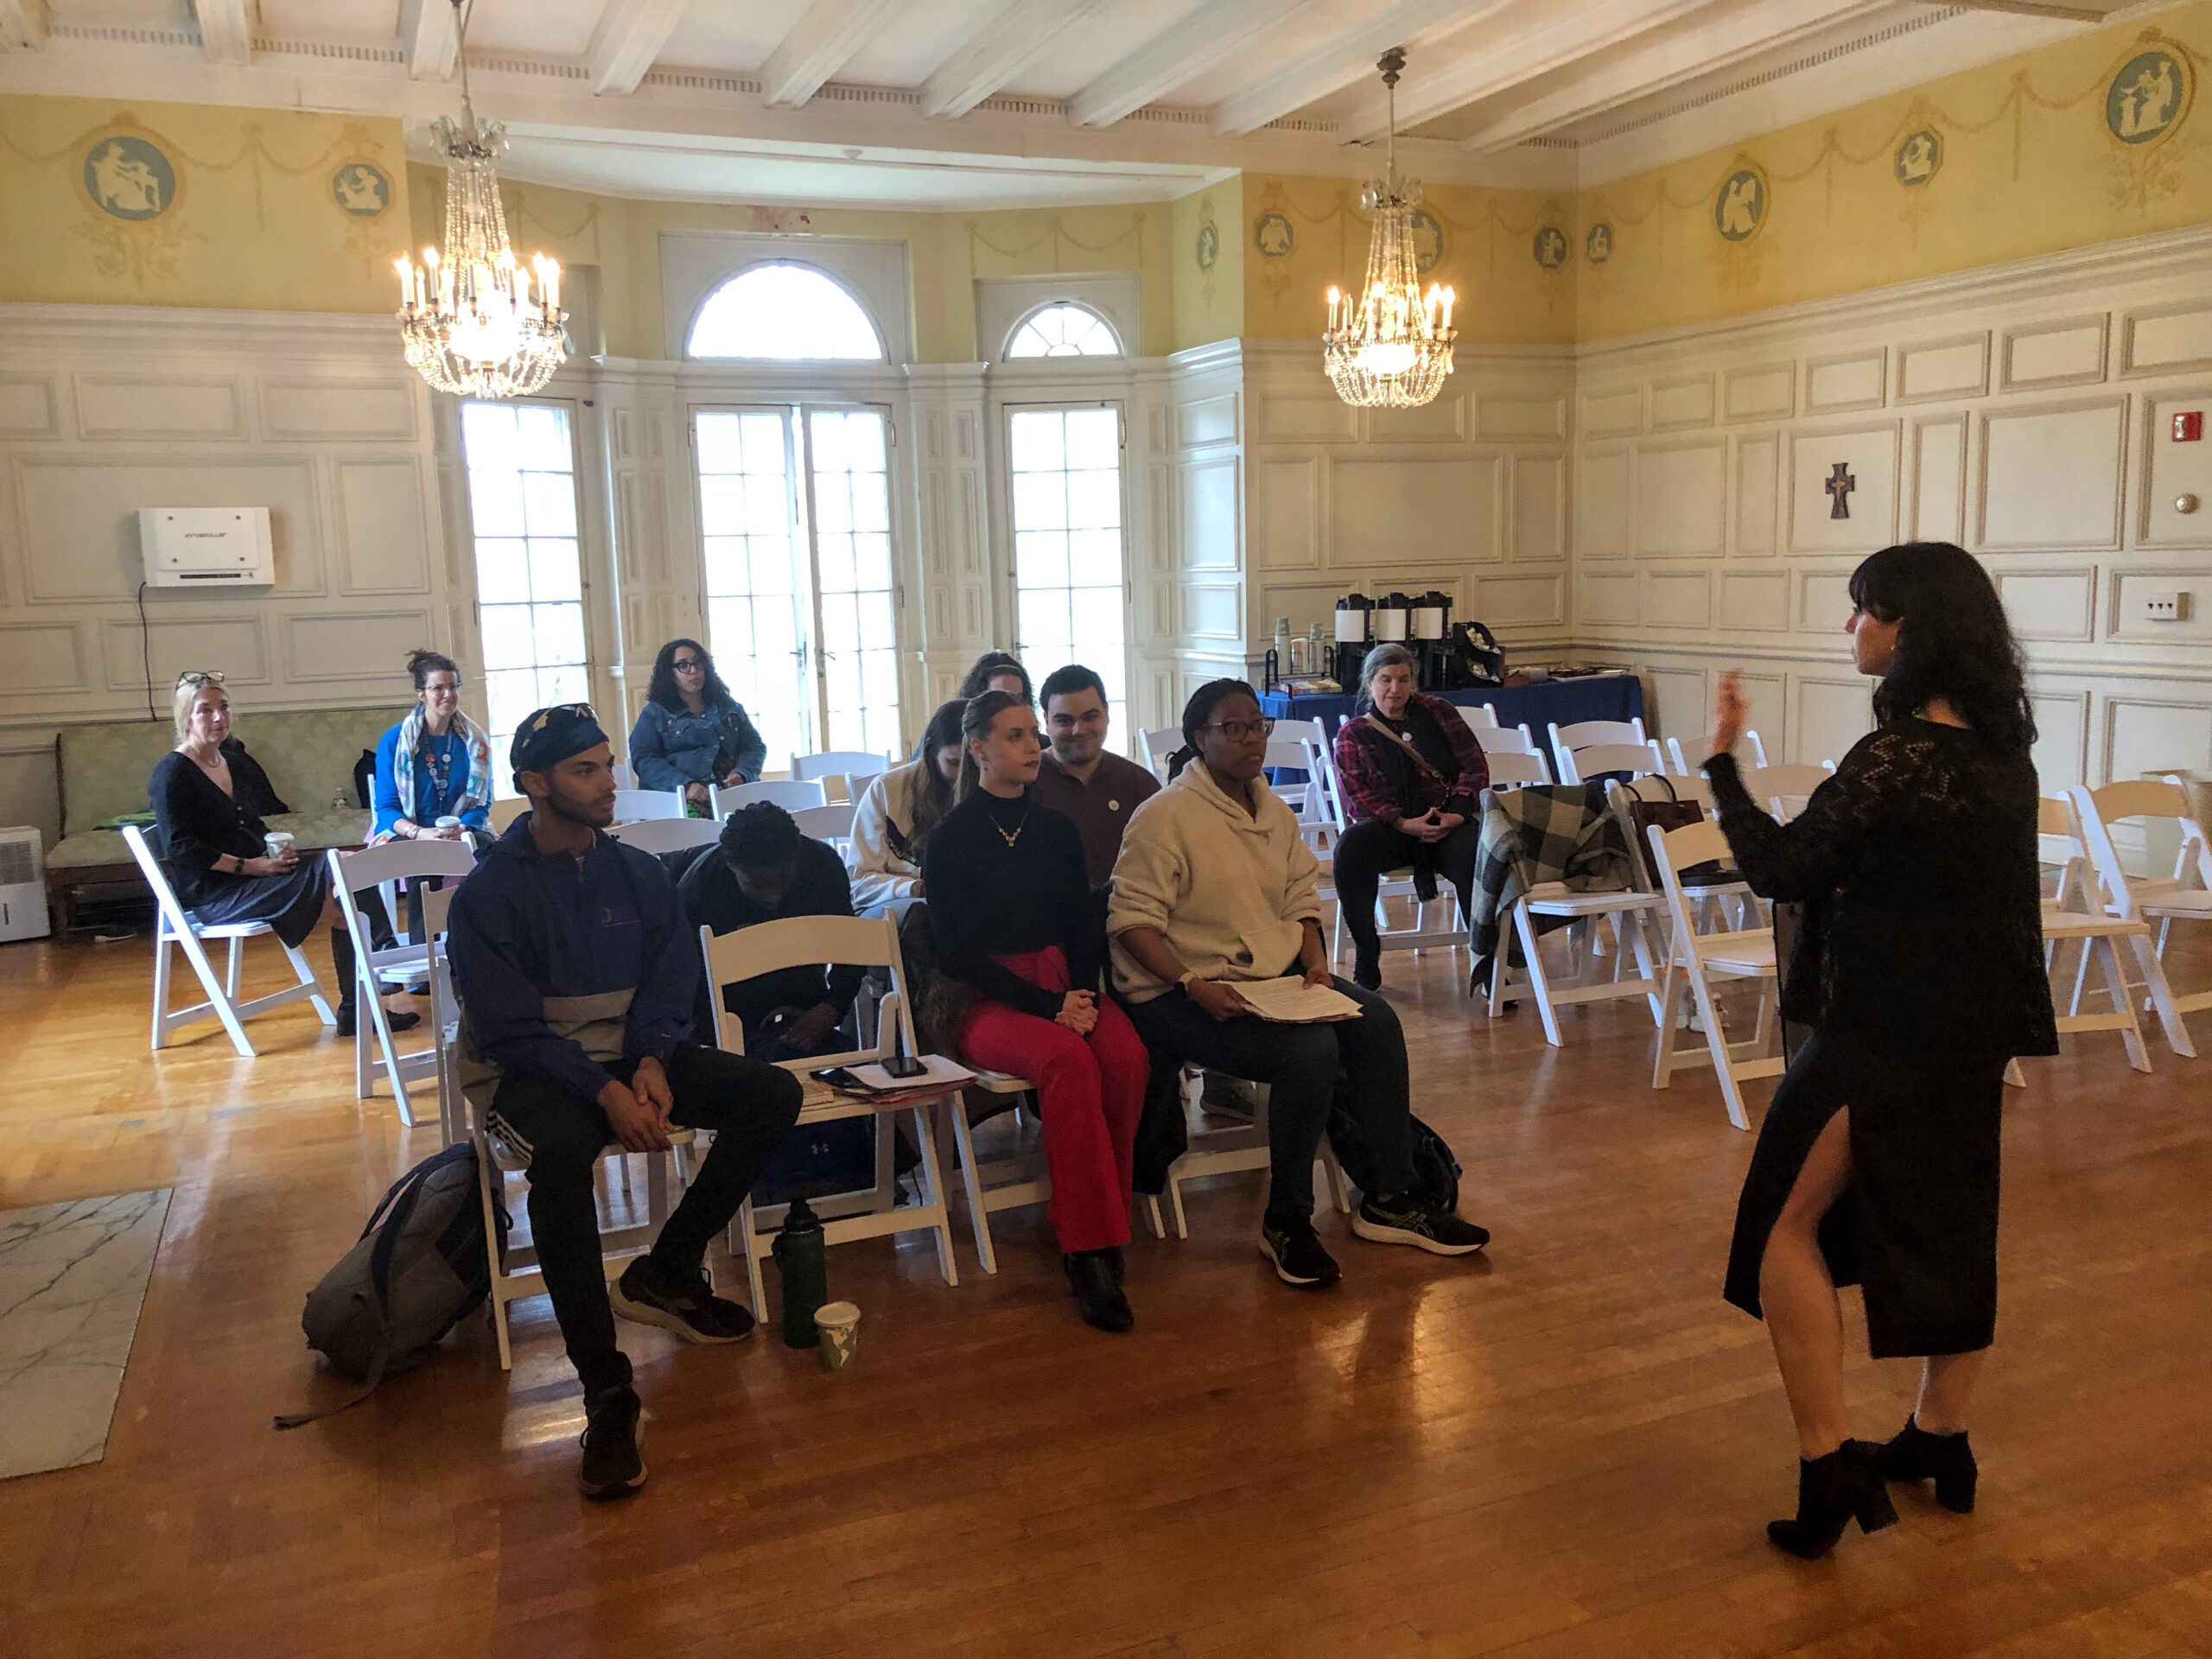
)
(1367, 966)
(1098, 1290)
(341, 958)
(1946, 1459)
(1842, 1486)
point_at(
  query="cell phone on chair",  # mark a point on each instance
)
(905, 1066)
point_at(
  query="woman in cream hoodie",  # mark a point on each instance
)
(1214, 886)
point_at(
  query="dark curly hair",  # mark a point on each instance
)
(761, 834)
(663, 690)
(1953, 641)
(1199, 712)
(423, 663)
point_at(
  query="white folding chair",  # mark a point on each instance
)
(2183, 896)
(1421, 934)
(405, 963)
(624, 777)
(1587, 733)
(1783, 790)
(1698, 959)
(639, 806)
(2074, 917)
(443, 1016)
(832, 823)
(1309, 801)
(1509, 768)
(1639, 760)
(1235, 1151)
(855, 766)
(1158, 746)
(1707, 897)
(1688, 764)
(792, 794)
(660, 836)
(1480, 715)
(1510, 740)
(172, 924)
(859, 942)
(1626, 910)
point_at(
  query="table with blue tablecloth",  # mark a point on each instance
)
(1558, 702)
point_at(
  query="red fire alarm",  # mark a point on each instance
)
(2188, 426)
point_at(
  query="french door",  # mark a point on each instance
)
(1070, 591)
(795, 531)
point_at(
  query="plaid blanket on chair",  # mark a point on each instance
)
(1539, 833)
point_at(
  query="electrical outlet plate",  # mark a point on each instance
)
(2166, 606)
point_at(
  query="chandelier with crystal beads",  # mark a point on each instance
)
(469, 322)
(1391, 347)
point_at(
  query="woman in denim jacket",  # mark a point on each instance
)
(692, 734)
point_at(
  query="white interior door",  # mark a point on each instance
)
(1069, 587)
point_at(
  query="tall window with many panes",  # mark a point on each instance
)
(795, 525)
(529, 608)
(1065, 470)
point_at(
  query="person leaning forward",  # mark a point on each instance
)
(577, 972)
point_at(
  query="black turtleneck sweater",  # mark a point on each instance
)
(988, 899)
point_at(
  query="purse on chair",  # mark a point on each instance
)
(1672, 814)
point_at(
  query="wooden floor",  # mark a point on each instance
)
(1568, 1448)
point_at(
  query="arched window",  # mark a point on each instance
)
(785, 312)
(1063, 330)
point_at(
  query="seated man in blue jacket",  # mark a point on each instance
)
(578, 974)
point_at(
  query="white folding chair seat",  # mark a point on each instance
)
(1698, 960)
(637, 805)
(1639, 760)
(792, 794)
(174, 924)
(857, 942)
(406, 962)
(1687, 763)
(2183, 896)
(661, 836)
(1510, 740)
(1421, 933)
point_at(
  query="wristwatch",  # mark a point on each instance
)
(1183, 983)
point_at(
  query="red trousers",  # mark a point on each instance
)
(1090, 1093)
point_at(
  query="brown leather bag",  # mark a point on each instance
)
(1672, 814)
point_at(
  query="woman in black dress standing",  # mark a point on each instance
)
(208, 796)
(1919, 967)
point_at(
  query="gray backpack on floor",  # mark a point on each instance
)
(417, 1270)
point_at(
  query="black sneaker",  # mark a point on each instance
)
(398, 1019)
(1426, 1227)
(614, 1443)
(1295, 1248)
(648, 1294)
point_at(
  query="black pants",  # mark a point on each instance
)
(1368, 850)
(749, 1105)
(1302, 1065)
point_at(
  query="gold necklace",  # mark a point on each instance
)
(1017, 828)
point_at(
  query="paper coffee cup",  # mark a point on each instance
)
(837, 1327)
(278, 843)
(446, 823)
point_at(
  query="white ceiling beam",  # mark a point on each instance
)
(820, 43)
(1348, 58)
(630, 36)
(22, 25)
(2039, 8)
(1176, 58)
(225, 31)
(1561, 33)
(1013, 41)
(1702, 45)
(427, 35)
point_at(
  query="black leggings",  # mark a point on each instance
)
(1371, 850)
(750, 1106)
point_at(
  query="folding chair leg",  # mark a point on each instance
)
(749, 1240)
(487, 1172)
(1670, 1000)
(218, 999)
(1152, 1211)
(2139, 1053)
(1175, 1205)
(1539, 982)
(1716, 1040)
(160, 983)
(2162, 998)
(979, 1220)
(305, 973)
(230, 967)
(933, 1171)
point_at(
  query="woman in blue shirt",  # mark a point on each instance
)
(692, 734)
(434, 763)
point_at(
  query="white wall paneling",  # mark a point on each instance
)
(2165, 337)
(2052, 474)
(1684, 401)
(1868, 454)
(1937, 485)
(2067, 353)
(1847, 381)
(1681, 498)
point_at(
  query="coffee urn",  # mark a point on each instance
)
(1430, 628)
(1393, 616)
(1355, 629)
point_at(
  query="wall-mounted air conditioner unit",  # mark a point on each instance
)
(206, 547)
(22, 888)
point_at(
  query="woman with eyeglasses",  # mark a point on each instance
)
(1215, 886)
(434, 769)
(692, 734)
(1011, 913)
(208, 796)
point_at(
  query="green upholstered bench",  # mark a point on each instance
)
(308, 753)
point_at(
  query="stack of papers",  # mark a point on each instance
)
(1289, 1000)
(940, 1074)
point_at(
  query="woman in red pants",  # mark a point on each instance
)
(1010, 906)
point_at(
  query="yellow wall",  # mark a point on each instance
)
(1208, 259)
(2027, 167)
(247, 213)
(1488, 255)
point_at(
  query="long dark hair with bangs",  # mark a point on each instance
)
(1953, 641)
(663, 690)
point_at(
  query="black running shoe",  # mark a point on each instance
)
(1295, 1248)
(398, 1019)
(649, 1293)
(1426, 1227)
(614, 1443)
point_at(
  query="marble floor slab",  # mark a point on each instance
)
(72, 1279)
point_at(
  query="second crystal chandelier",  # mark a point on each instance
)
(1391, 347)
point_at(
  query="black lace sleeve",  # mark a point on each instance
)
(1816, 851)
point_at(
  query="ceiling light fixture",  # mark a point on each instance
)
(467, 319)
(1392, 347)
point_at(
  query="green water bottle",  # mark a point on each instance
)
(801, 1262)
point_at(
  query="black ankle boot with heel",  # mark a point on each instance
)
(1946, 1459)
(1844, 1486)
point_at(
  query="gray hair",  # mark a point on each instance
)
(1390, 654)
